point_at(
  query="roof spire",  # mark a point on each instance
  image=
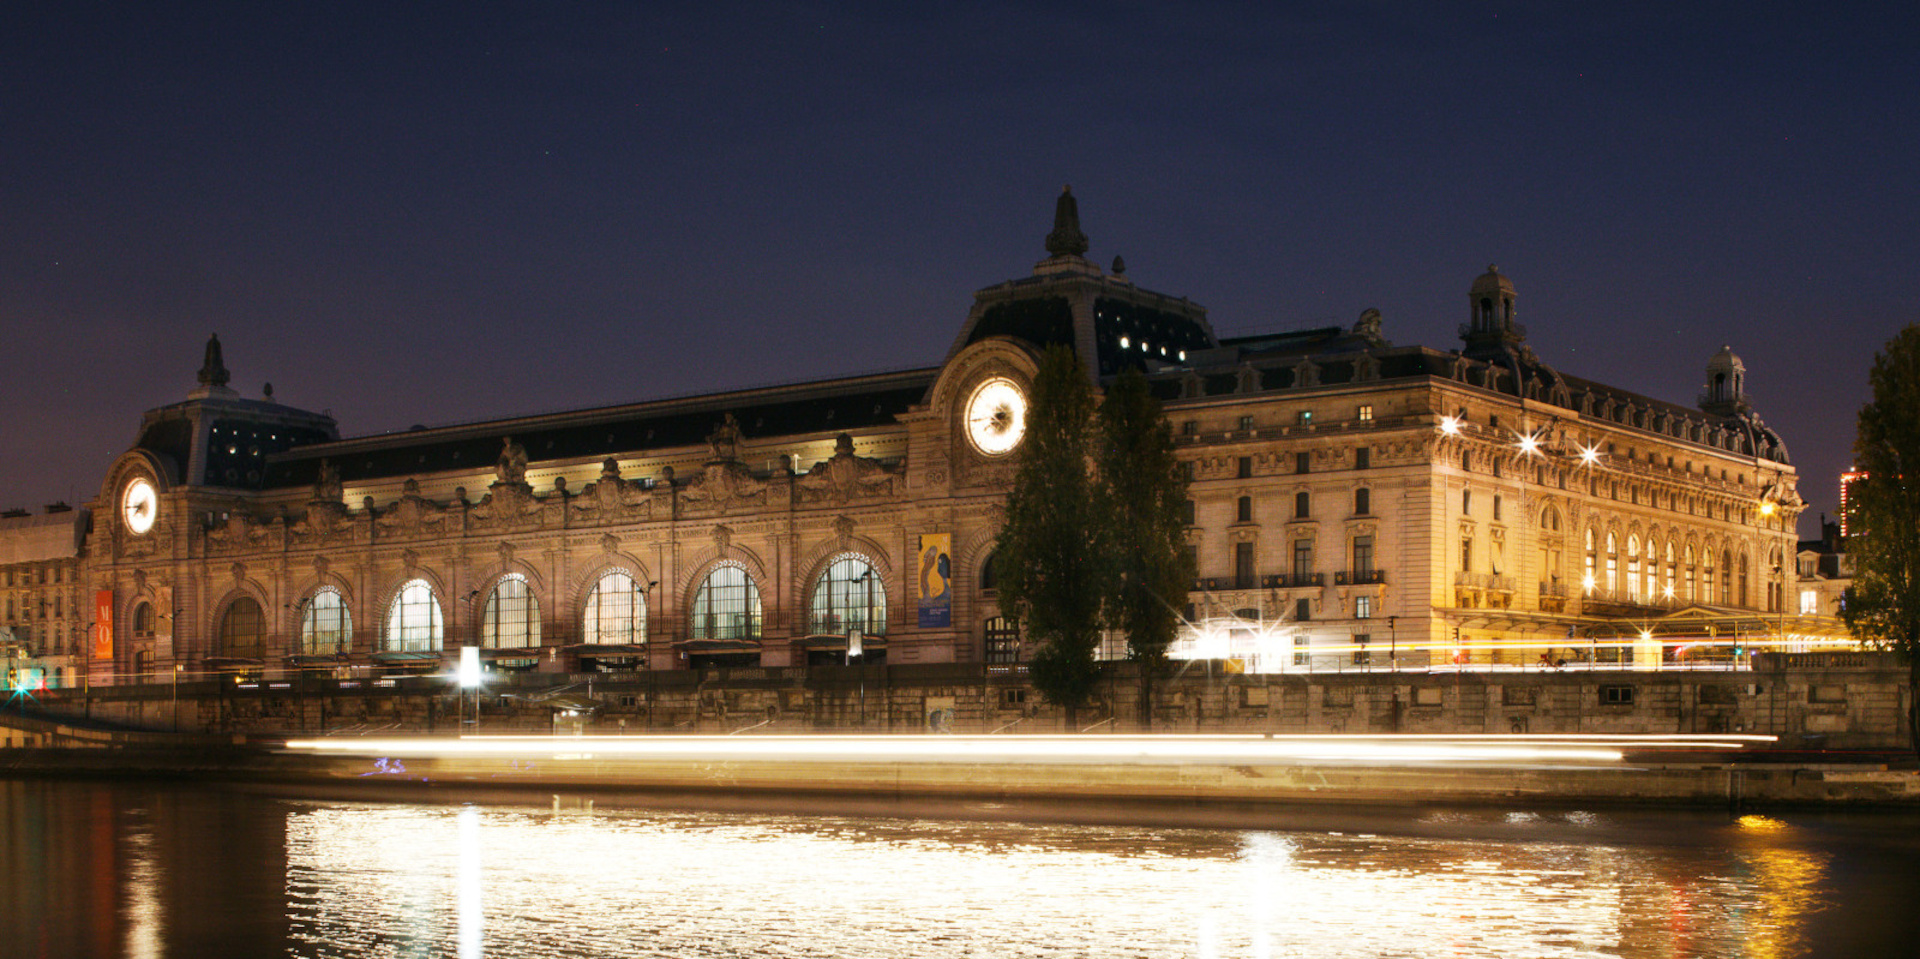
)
(1066, 238)
(213, 372)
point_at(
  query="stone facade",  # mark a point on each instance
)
(1354, 503)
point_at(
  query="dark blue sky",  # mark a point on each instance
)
(410, 213)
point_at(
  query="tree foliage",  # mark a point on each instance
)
(1145, 489)
(1882, 608)
(1053, 559)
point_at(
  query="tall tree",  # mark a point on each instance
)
(1052, 560)
(1883, 606)
(1145, 491)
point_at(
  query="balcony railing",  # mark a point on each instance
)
(1492, 581)
(1359, 577)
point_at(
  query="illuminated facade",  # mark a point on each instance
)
(1355, 503)
(43, 605)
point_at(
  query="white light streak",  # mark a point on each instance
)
(1106, 750)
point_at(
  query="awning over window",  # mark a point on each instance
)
(717, 646)
(839, 641)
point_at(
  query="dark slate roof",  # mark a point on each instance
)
(823, 407)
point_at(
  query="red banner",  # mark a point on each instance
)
(103, 624)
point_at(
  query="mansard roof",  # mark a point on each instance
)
(821, 407)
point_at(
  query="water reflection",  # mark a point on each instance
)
(582, 882)
(177, 871)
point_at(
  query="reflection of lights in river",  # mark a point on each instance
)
(620, 883)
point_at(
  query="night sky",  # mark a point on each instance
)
(410, 213)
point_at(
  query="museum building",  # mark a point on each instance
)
(1354, 504)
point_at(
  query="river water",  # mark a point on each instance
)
(150, 870)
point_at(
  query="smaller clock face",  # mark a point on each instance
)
(139, 505)
(996, 416)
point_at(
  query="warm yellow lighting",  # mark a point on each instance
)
(1646, 634)
(1530, 444)
(1450, 426)
(1589, 455)
(1766, 508)
(1129, 750)
(1669, 592)
(1586, 583)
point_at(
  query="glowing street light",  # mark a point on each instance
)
(1590, 455)
(1450, 425)
(1530, 444)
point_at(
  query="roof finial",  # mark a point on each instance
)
(1066, 238)
(213, 373)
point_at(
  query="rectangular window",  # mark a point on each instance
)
(1362, 501)
(1363, 458)
(1302, 559)
(1300, 657)
(1809, 603)
(1363, 607)
(1246, 424)
(1186, 512)
(1189, 427)
(1246, 467)
(1362, 557)
(1366, 412)
(1496, 508)
(1301, 464)
(1616, 695)
(1245, 514)
(1302, 612)
(1302, 505)
(1361, 656)
(1306, 417)
(1192, 469)
(1243, 566)
(1466, 502)
(1466, 555)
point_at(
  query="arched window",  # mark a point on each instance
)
(511, 618)
(1550, 520)
(987, 581)
(1743, 580)
(326, 628)
(1613, 564)
(616, 611)
(1001, 640)
(1726, 576)
(1633, 567)
(143, 621)
(849, 595)
(1592, 564)
(727, 606)
(243, 630)
(1652, 571)
(1706, 575)
(1687, 570)
(414, 624)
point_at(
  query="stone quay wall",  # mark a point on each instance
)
(1854, 701)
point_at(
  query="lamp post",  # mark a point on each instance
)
(854, 646)
(646, 596)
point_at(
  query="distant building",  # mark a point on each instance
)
(1824, 572)
(43, 602)
(1354, 502)
(1847, 479)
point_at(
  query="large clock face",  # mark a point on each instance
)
(996, 416)
(139, 505)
